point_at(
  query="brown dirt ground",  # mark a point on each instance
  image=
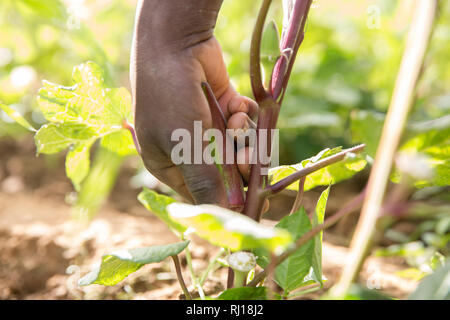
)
(43, 252)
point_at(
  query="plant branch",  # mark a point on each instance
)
(176, 262)
(402, 99)
(284, 183)
(299, 197)
(347, 209)
(290, 43)
(259, 91)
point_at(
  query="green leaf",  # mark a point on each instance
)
(319, 215)
(244, 293)
(366, 127)
(292, 271)
(157, 203)
(118, 265)
(47, 9)
(435, 286)
(53, 138)
(226, 228)
(270, 42)
(120, 142)
(332, 174)
(88, 101)
(17, 117)
(78, 163)
(432, 148)
(270, 50)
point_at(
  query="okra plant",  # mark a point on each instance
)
(289, 253)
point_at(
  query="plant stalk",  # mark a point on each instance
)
(284, 183)
(402, 99)
(347, 209)
(176, 262)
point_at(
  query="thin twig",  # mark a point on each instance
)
(283, 184)
(210, 266)
(412, 62)
(299, 197)
(128, 126)
(176, 262)
(347, 209)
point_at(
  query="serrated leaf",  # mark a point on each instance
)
(244, 293)
(157, 203)
(319, 215)
(88, 101)
(332, 174)
(118, 265)
(78, 163)
(53, 138)
(292, 271)
(17, 117)
(226, 228)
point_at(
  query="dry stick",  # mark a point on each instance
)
(412, 61)
(283, 184)
(349, 208)
(176, 262)
(299, 197)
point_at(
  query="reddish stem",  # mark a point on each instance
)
(290, 44)
(128, 126)
(283, 184)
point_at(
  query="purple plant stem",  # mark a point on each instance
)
(126, 125)
(255, 54)
(290, 44)
(231, 177)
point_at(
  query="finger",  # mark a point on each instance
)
(244, 104)
(243, 157)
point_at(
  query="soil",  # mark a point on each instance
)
(44, 251)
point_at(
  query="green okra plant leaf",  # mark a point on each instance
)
(426, 152)
(17, 117)
(244, 293)
(118, 265)
(78, 163)
(318, 218)
(291, 272)
(331, 174)
(80, 115)
(270, 50)
(157, 203)
(229, 229)
(304, 266)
